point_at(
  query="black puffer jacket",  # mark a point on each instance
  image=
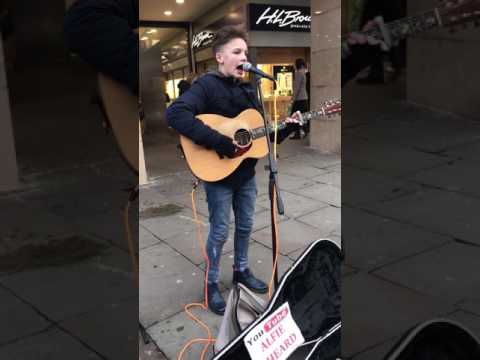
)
(102, 33)
(214, 93)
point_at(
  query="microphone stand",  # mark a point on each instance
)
(273, 179)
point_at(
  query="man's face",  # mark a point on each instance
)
(230, 56)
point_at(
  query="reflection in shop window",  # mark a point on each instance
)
(283, 74)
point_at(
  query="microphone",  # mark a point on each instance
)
(250, 68)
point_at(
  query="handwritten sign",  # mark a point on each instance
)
(276, 337)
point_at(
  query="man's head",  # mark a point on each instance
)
(300, 64)
(230, 50)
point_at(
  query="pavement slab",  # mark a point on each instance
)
(322, 192)
(439, 272)
(472, 306)
(388, 159)
(168, 281)
(180, 222)
(22, 319)
(295, 205)
(174, 333)
(333, 178)
(260, 262)
(59, 292)
(146, 238)
(461, 175)
(50, 345)
(372, 241)
(109, 330)
(456, 215)
(470, 321)
(293, 235)
(374, 311)
(470, 151)
(328, 220)
(362, 186)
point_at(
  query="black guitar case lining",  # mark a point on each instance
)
(312, 289)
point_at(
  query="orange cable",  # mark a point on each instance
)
(203, 305)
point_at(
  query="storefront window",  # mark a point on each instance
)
(277, 100)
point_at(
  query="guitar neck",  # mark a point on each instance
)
(307, 116)
(401, 28)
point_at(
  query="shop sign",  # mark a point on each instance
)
(264, 17)
(202, 39)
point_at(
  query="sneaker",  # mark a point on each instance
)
(216, 303)
(246, 278)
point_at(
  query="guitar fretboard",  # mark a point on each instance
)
(260, 131)
(401, 28)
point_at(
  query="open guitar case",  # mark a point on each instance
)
(436, 339)
(312, 289)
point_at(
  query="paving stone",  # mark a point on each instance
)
(374, 311)
(286, 182)
(71, 201)
(470, 151)
(146, 238)
(316, 159)
(260, 262)
(293, 235)
(168, 281)
(362, 186)
(110, 226)
(461, 175)
(50, 345)
(176, 224)
(455, 214)
(172, 334)
(471, 306)
(299, 168)
(42, 226)
(21, 318)
(263, 220)
(388, 159)
(111, 330)
(333, 178)
(188, 244)
(328, 220)
(59, 292)
(372, 241)
(470, 321)
(444, 272)
(348, 270)
(325, 193)
(414, 129)
(150, 197)
(377, 352)
(295, 205)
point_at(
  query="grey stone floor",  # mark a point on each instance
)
(410, 205)
(69, 302)
(171, 265)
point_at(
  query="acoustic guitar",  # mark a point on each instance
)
(121, 111)
(248, 130)
(446, 16)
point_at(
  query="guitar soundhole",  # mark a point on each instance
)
(243, 137)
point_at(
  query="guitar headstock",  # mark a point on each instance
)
(459, 12)
(332, 107)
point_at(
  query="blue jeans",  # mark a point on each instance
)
(220, 199)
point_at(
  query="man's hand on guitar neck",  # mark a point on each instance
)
(361, 38)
